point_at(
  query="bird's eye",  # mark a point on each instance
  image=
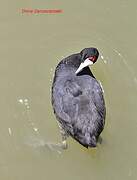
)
(92, 58)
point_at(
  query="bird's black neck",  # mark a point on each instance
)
(72, 63)
(86, 71)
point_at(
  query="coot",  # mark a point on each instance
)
(77, 99)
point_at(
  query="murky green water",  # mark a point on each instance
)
(30, 47)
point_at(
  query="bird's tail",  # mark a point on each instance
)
(87, 140)
(91, 141)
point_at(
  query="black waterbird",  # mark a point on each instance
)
(77, 98)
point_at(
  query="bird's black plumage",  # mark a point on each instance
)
(77, 99)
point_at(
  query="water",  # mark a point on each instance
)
(31, 45)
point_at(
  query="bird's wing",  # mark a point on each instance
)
(75, 103)
(65, 99)
(98, 99)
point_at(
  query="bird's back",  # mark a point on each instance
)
(79, 107)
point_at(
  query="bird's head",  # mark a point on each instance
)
(88, 57)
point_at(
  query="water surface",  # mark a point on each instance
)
(31, 45)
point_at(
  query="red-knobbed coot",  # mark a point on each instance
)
(77, 99)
